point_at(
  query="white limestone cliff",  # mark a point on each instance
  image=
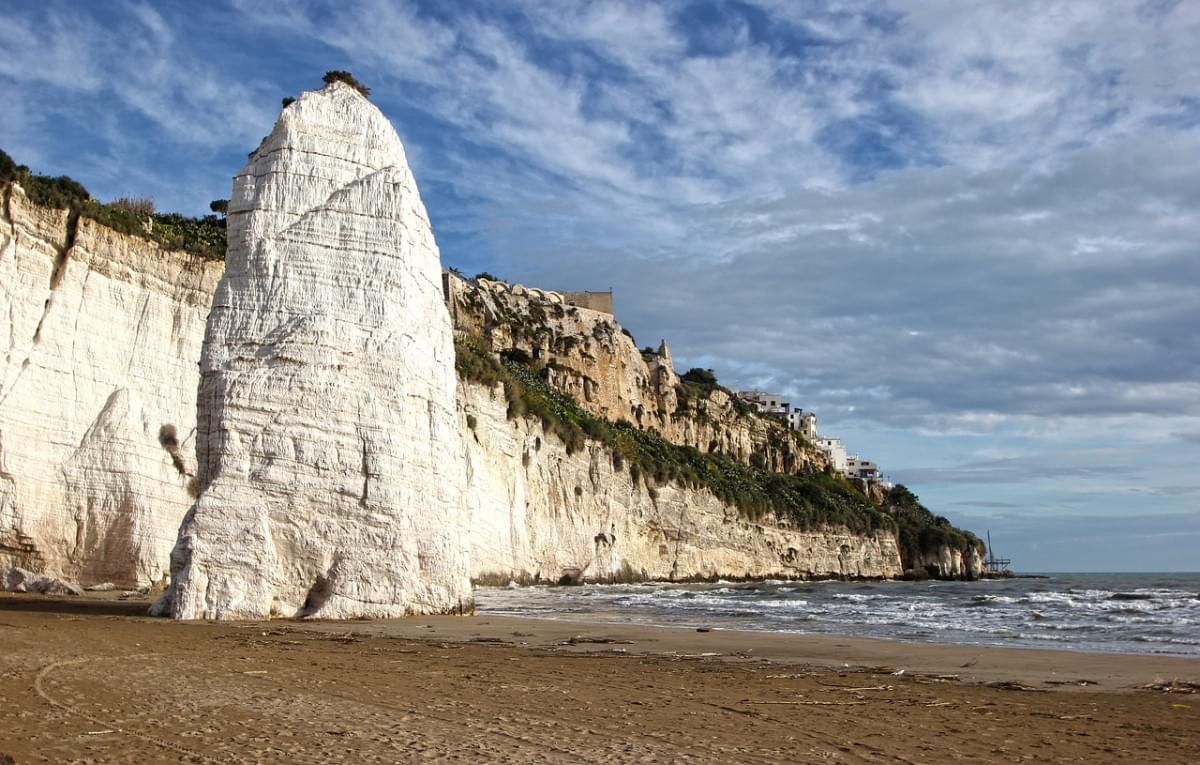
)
(99, 336)
(339, 478)
(107, 507)
(541, 514)
(330, 458)
(946, 562)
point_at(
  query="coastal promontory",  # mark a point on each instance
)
(368, 433)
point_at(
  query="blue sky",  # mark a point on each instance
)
(965, 234)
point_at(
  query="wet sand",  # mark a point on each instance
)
(92, 680)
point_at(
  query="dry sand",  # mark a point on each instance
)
(91, 680)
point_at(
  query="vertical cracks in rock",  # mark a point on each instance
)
(366, 474)
(60, 261)
(61, 256)
(678, 540)
(137, 336)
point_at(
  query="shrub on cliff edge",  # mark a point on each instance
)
(922, 531)
(62, 192)
(134, 216)
(340, 75)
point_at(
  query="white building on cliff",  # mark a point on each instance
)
(835, 450)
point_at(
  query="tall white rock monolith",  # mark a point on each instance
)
(329, 455)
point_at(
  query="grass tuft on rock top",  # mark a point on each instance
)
(699, 384)
(204, 236)
(341, 75)
(804, 500)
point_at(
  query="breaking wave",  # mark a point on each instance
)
(1130, 613)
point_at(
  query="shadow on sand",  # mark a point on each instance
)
(81, 606)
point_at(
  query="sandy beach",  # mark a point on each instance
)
(93, 680)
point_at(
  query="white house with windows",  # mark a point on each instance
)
(852, 466)
(803, 422)
(765, 403)
(858, 467)
(835, 450)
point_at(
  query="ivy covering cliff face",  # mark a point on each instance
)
(203, 236)
(808, 500)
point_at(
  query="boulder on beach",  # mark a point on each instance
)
(19, 580)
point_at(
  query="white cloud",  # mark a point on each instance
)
(133, 59)
(53, 52)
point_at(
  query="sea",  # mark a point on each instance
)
(1121, 613)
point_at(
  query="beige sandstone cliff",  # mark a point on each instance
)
(541, 514)
(586, 354)
(592, 359)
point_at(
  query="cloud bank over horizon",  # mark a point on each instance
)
(964, 235)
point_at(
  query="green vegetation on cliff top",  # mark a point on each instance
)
(204, 236)
(804, 500)
(921, 530)
(699, 383)
(341, 75)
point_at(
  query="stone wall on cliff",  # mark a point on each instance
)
(539, 513)
(99, 336)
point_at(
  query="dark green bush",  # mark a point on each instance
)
(920, 530)
(702, 377)
(62, 192)
(340, 75)
(8, 168)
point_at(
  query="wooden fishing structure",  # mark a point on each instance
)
(993, 566)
